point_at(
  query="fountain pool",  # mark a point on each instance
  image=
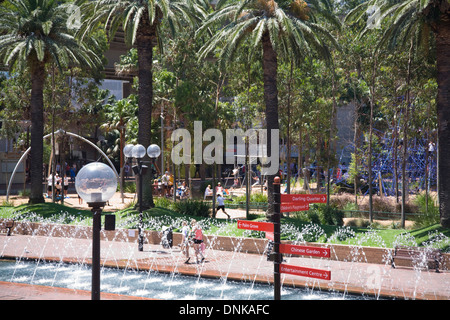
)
(153, 284)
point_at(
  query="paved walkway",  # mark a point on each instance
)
(114, 204)
(349, 277)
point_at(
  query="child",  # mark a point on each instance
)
(198, 240)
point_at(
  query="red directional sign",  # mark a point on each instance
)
(270, 236)
(291, 206)
(305, 272)
(304, 198)
(257, 226)
(305, 250)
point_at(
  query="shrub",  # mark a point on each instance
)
(258, 197)
(7, 203)
(379, 204)
(129, 187)
(343, 201)
(301, 217)
(329, 215)
(162, 202)
(196, 208)
(342, 234)
(311, 233)
(313, 217)
(426, 218)
(24, 193)
(358, 222)
(254, 197)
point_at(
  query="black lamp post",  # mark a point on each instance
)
(277, 238)
(96, 183)
(138, 152)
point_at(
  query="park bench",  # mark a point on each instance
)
(417, 255)
(8, 225)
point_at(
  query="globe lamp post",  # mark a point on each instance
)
(138, 152)
(153, 151)
(96, 183)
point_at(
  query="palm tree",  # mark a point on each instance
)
(34, 33)
(286, 29)
(118, 114)
(141, 22)
(414, 19)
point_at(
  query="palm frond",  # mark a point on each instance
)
(356, 14)
(40, 30)
(250, 19)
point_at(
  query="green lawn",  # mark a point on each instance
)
(157, 217)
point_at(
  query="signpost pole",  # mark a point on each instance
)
(276, 239)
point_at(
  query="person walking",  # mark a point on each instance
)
(126, 170)
(198, 241)
(221, 204)
(72, 172)
(165, 183)
(185, 231)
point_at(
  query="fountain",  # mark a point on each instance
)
(53, 254)
(150, 284)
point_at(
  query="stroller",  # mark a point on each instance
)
(167, 237)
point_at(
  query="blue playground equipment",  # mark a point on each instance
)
(383, 164)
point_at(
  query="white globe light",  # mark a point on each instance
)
(138, 151)
(96, 182)
(153, 151)
(127, 150)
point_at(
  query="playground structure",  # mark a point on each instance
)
(59, 132)
(421, 166)
(421, 172)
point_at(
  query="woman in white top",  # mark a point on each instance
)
(219, 188)
(208, 192)
(165, 182)
(49, 185)
(185, 240)
(66, 185)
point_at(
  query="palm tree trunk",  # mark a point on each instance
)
(443, 112)
(271, 100)
(146, 36)
(37, 130)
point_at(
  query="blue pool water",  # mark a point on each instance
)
(153, 284)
